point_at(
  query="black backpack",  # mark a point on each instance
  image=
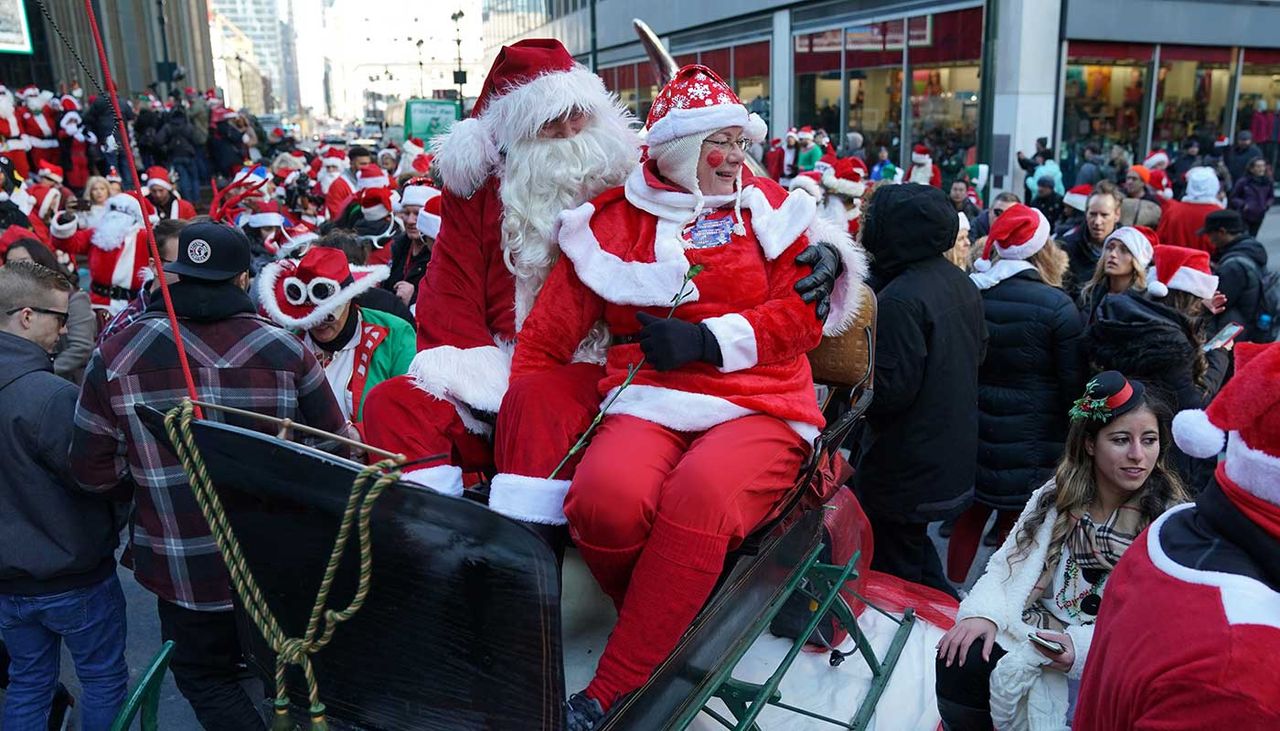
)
(1265, 327)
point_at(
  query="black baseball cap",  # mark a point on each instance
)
(212, 252)
(1225, 220)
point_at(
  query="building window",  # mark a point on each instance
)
(873, 86)
(944, 53)
(1259, 106)
(1191, 95)
(817, 66)
(751, 77)
(1103, 98)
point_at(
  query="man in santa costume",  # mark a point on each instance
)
(358, 347)
(46, 173)
(40, 125)
(376, 225)
(13, 139)
(923, 171)
(413, 149)
(808, 153)
(372, 176)
(117, 250)
(1189, 629)
(76, 140)
(161, 194)
(334, 182)
(45, 203)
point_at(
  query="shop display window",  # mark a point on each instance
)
(873, 78)
(945, 52)
(1102, 100)
(751, 78)
(1191, 95)
(817, 87)
(1259, 107)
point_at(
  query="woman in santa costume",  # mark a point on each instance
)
(1190, 632)
(1054, 572)
(358, 347)
(709, 434)
(117, 250)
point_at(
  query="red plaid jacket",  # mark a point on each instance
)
(242, 361)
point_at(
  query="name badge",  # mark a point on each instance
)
(708, 233)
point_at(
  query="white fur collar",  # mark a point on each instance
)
(1000, 271)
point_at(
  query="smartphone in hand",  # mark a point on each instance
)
(1224, 336)
(1054, 647)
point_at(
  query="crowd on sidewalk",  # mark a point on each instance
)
(483, 301)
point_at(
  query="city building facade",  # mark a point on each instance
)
(260, 21)
(237, 73)
(1140, 73)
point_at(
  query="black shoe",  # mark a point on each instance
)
(582, 713)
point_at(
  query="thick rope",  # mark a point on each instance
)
(289, 650)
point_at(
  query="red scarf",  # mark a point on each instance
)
(1262, 513)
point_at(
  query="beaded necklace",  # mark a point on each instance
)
(1087, 602)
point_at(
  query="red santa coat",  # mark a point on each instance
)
(1207, 661)
(72, 134)
(1180, 223)
(775, 160)
(338, 196)
(918, 175)
(15, 143)
(41, 129)
(116, 274)
(177, 208)
(624, 253)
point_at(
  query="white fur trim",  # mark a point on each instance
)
(476, 377)
(364, 182)
(1158, 157)
(418, 195)
(737, 341)
(1157, 289)
(428, 224)
(465, 156)
(807, 184)
(669, 205)
(1077, 201)
(840, 186)
(375, 213)
(1244, 600)
(159, 183)
(918, 159)
(686, 411)
(1194, 281)
(644, 284)
(267, 295)
(62, 230)
(1137, 244)
(689, 121)
(1196, 435)
(531, 499)
(1255, 471)
(846, 295)
(996, 273)
(778, 228)
(265, 220)
(445, 479)
(50, 203)
(521, 111)
(1082, 640)
(1028, 248)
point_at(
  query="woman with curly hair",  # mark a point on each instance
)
(1048, 578)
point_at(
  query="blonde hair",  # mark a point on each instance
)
(1050, 262)
(1137, 279)
(95, 180)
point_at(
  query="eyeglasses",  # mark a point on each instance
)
(741, 143)
(62, 316)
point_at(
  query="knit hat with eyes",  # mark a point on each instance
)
(300, 293)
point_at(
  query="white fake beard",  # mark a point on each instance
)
(326, 178)
(543, 177)
(6, 105)
(111, 230)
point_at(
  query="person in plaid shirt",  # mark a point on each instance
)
(238, 359)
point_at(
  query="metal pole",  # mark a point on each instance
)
(595, 52)
(1149, 106)
(164, 46)
(457, 29)
(987, 90)
(904, 125)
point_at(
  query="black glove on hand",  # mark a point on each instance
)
(671, 343)
(817, 287)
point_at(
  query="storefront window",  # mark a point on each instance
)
(751, 77)
(944, 60)
(1103, 98)
(1191, 94)
(648, 89)
(627, 87)
(817, 88)
(873, 63)
(1259, 108)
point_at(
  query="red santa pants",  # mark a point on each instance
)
(654, 512)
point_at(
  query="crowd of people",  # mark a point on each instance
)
(475, 307)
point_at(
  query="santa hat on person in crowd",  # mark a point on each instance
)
(372, 176)
(429, 214)
(846, 178)
(1078, 197)
(695, 103)
(530, 83)
(295, 241)
(335, 157)
(1157, 160)
(417, 191)
(920, 155)
(157, 177)
(1161, 185)
(1141, 243)
(301, 293)
(113, 176)
(1183, 269)
(805, 133)
(1245, 418)
(1018, 234)
(1220, 145)
(1202, 186)
(410, 151)
(809, 181)
(375, 203)
(49, 172)
(69, 104)
(266, 215)
(47, 200)
(219, 114)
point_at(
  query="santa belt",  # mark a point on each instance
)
(112, 293)
(625, 339)
(41, 143)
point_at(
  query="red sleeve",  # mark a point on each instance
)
(451, 298)
(1180, 704)
(76, 244)
(186, 211)
(335, 201)
(562, 316)
(936, 179)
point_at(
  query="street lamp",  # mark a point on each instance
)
(421, 81)
(459, 76)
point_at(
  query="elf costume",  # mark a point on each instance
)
(1189, 630)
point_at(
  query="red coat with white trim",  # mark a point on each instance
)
(14, 143)
(121, 268)
(177, 208)
(338, 197)
(41, 129)
(620, 260)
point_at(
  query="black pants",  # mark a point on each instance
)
(207, 667)
(904, 550)
(964, 691)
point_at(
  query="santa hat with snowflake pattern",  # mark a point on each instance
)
(697, 101)
(1245, 417)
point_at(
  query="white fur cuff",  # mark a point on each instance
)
(846, 296)
(531, 499)
(62, 230)
(476, 377)
(737, 341)
(445, 479)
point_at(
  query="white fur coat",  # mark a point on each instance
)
(1025, 696)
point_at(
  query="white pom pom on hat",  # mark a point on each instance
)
(982, 265)
(1196, 435)
(1157, 289)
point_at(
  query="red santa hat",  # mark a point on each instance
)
(1156, 159)
(422, 163)
(429, 217)
(1245, 416)
(1018, 233)
(1078, 197)
(335, 157)
(301, 293)
(805, 133)
(375, 203)
(296, 240)
(698, 102)
(47, 199)
(157, 177)
(1183, 269)
(49, 171)
(920, 155)
(846, 177)
(69, 103)
(793, 133)
(1222, 141)
(372, 176)
(220, 114)
(809, 181)
(414, 146)
(266, 215)
(530, 83)
(28, 91)
(1161, 185)
(113, 176)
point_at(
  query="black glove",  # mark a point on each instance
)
(671, 343)
(816, 287)
(65, 218)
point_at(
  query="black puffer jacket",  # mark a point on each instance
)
(1240, 266)
(919, 449)
(1033, 371)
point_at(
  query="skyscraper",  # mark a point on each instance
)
(260, 21)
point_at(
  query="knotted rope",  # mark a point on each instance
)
(289, 650)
